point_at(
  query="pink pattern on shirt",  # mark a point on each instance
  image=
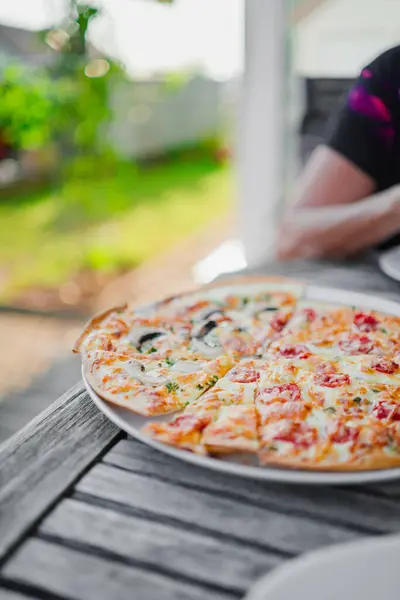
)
(368, 105)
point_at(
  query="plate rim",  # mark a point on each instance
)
(271, 473)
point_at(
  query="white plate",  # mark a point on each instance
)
(363, 570)
(133, 423)
(389, 262)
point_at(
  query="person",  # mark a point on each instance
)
(348, 197)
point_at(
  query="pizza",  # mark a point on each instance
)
(253, 368)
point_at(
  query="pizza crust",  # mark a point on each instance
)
(375, 461)
(93, 324)
(244, 446)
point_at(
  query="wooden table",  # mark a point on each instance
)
(86, 514)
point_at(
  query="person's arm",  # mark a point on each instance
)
(327, 219)
(336, 211)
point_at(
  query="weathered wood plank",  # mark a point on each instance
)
(221, 515)
(347, 508)
(51, 568)
(42, 460)
(158, 546)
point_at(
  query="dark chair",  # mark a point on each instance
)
(324, 97)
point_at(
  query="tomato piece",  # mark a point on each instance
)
(296, 351)
(344, 434)
(331, 380)
(325, 367)
(385, 411)
(357, 344)
(384, 365)
(239, 343)
(282, 410)
(188, 423)
(365, 322)
(277, 323)
(287, 392)
(298, 434)
(310, 314)
(243, 375)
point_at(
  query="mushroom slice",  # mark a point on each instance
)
(201, 347)
(137, 371)
(205, 329)
(205, 341)
(141, 337)
(214, 312)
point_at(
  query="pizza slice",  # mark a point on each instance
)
(220, 421)
(233, 431)
(286, 433)
(183, 431)
(234, 426)
(154, 384)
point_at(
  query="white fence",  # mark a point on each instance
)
(151, 117)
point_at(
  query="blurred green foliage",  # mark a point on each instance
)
(104, 214)
(59, 103)
(107, 216)
(27, 107)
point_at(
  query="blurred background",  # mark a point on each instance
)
(148, 146)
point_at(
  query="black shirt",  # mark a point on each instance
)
(367, 131)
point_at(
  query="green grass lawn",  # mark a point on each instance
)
(106, 217)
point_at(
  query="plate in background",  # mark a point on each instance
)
(389, 262)
(362, 570)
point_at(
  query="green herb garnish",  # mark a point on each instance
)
(383, 330)
(169, 362)
(172, 386)
(375, 391)
(330, 409)
(272, 448)
(151, 350)
(213, 380)
(245, 300)
(199, 386)
(357, 400)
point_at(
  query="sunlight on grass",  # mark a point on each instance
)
(107, 220)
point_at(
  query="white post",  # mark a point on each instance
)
(260, 144)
